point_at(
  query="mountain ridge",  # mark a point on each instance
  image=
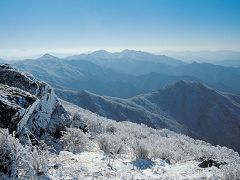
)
(130, 55)
(84, 75)
(210, 114)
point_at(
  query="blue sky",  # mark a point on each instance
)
(70, 26)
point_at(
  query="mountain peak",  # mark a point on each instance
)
(48, 56)
(193, 85)
(128, 51)
(100, 52)
(188, 83)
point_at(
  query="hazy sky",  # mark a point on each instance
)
(69, 26)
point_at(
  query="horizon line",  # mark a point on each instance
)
(63, 53)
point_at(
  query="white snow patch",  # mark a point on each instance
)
(94, 165)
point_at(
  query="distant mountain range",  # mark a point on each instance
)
(130, 62)
(139, 63)
(187, 107)
(2, 60)
(228, 63)
(79, 75)
(106, 58)
(126, 74)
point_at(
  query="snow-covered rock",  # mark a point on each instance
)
(28, 104)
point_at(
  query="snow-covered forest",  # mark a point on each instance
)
(94, 147)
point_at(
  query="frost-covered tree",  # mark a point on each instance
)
(75, 140)
(110, 144)
(138, 141)
(19, 161)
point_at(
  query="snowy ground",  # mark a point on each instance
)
(95, 165)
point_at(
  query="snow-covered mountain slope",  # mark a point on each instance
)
(124, 110)
(94, 165)
(212, 115)
(27, 103)
(124, 150)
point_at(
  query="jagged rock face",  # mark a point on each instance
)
(26, 103)
(11, 77)
(13, 103)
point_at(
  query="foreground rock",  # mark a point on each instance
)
(27, 104)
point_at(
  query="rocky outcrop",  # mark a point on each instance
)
(13, 101)
(209, 163)
(27, 104)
